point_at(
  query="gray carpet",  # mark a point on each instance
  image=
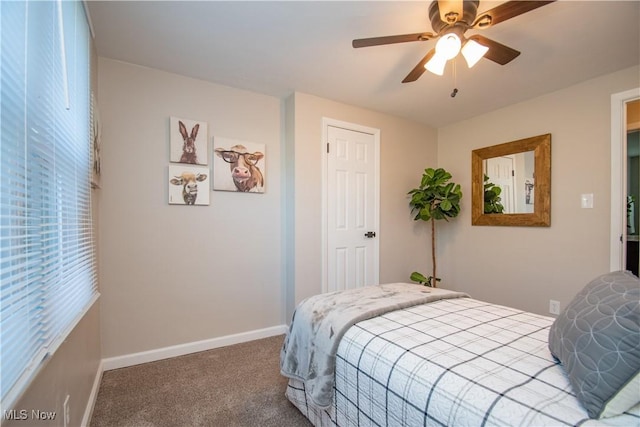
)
(234, 386)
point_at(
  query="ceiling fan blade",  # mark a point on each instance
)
(497, 52)
(419, 69)
(450, 10)
(402, 38)
(507, 10)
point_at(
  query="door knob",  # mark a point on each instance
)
(370, 234)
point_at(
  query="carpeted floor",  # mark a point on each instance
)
(233, 386)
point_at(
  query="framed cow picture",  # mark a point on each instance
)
(188, 141)
(188, 185)
(238, 166)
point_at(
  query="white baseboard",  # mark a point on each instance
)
(88, 412)
(194, 347)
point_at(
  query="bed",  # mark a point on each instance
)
(451, 360)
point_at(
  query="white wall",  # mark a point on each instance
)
(526, 266)
(406, 149)
(178, 274)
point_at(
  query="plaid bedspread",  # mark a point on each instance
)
(460, 362)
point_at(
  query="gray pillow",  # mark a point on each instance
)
(597, 340)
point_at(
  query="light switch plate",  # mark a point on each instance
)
(586, 201)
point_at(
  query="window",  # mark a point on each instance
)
(47, 264)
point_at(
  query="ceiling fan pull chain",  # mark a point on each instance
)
(455, 79)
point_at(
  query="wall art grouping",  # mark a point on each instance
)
(189, 155)
(238, 166)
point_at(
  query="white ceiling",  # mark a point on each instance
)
(276, 48)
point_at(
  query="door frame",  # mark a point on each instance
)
(326, 122)
(617, 238)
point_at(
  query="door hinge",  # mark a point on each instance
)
(327, 148)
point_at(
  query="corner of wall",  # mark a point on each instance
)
(288, 208)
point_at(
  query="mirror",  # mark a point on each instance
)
(522, 170)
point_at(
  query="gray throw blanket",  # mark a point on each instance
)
(319, 322)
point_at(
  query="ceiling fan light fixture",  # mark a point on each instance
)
(448, 46)
(436, 64)
(450, 19)
(473, 52)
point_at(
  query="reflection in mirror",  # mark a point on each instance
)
(514, 175)
(511, 183)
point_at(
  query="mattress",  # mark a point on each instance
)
(454, 362)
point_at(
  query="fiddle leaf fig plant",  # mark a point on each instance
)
(492, 197)
(436, 198)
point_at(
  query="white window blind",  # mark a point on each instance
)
(47, 265)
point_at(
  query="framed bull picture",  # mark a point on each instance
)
(188, 141)
(188, 185)
(238, 166)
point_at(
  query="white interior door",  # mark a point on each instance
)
(352, 204)
(500, 172)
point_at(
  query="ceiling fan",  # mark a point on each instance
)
(450, 19)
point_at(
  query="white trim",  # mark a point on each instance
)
(91, 403)
(194, 347)
(55, 344)
(618, 172)
(326, 122)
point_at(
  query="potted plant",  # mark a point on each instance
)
(434, 199)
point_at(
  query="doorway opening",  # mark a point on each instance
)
(632, 258)
(625, 181)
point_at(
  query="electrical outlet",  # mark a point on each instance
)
(65, 411)
(554, 307)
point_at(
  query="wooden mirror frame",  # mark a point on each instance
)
(541, 216)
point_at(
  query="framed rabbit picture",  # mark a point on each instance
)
(188, 141)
